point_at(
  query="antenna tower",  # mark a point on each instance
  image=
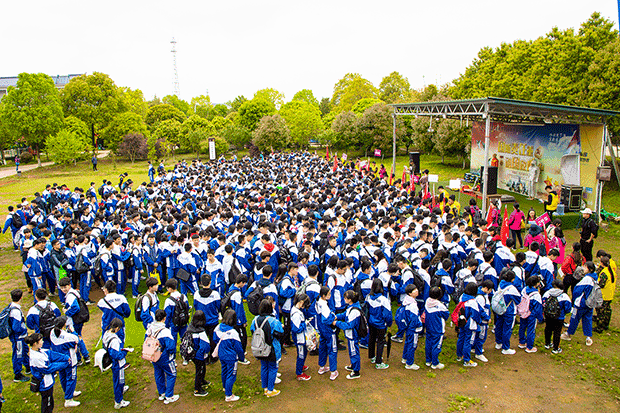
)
(177, 90)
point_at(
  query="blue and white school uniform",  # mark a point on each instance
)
(467, 334)
(505, 322)
(188, 262)
(44, 363)
(229, 350)
(114, 344)
(32, 318)
(115, 307)
(19, 355)
(349, 322)
(328, 344)
(527, 326)
(136, 270)
(581, 312)
(72, 307)
(435, 321)
(165, 369)
(298, 330)
(269, 366)
(169, 306)
(412, 328)
(150, 304)
(484, 307)
(66, 343)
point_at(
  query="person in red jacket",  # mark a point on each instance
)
(571, 263)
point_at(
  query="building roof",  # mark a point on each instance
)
(59, 80)
(508, 110)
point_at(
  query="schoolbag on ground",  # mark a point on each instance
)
(362, 326)
(254, 299)
(47, 320)
(137, 309)
(180, 316)
(80, 265)
(595, 299)
(83, 316)
(261, 340)
(523, 308)
(498, 303)
(552, 309)
(151, 350)
(187, 349)
(5, 324)
(226, 302)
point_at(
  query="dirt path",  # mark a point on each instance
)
(5, 172)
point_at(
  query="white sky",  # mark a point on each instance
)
(234, 48)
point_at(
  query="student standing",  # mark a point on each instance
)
(273, 329)
(435, 321)
(379, 319)
(482, 298)
(228, 349)
(66, 344)
(165, 368)
(236, 302)
(467, 332)
(581, 311)
(298, 330)
(149, 302)
(505, 322)
(72, 309)
(327, 342)
(202, 346)
(208, 301)
(527, 326)
(113, 305)
(556, 304)
(114, 344)
(349, 321)
(413, 326)
(176, 307)
(19, 332)
(607, 281)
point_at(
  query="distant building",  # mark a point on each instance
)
(59, 81)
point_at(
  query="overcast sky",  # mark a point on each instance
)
(231, 48)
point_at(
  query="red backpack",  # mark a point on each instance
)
(457, 312)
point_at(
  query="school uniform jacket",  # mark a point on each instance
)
(201, 343)
(44, 363)
(286, 289)
(583, 290)
(536, 308)
(167, 345)
(65, 343)
(349, 321)
(472, 312)
(227, 338)
(32, 319)
(436, 316)
(512, 297)
(208, 301)
(18, 323)
(114, 346)
(169, 306)
(379, 311)
(117, 308)
(236, 301)
(298, 326)
(563, 301)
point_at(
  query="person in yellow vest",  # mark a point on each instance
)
(551, 204)
(442, 197)
(607, 278)
(455, 206)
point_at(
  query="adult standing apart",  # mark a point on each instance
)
(517, 218)
(94, 161)
(534, 174)
(17, 160)
(589, 231)
(551, 204)
(424, 182)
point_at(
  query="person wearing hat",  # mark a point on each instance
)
(589, 231)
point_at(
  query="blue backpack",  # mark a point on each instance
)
(5, 324)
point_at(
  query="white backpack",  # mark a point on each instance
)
(498, 303)
(260, 348)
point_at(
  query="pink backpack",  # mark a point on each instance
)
(151, 350)
(523, 309)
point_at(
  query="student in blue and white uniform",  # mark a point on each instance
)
(203, 347)
(33, 320)
(467, 333)
(150, 302)
(286, 293)
(349, 322)
(170, 304)
(379, 319)
(298, 330)
(505, 322)
(19, 332)
(581, 311)
(44, 364)
(328, 344)
(435, 322)
(228, 349)
(208, 301)
(72, 309)
(482, 298)
(66, 344)
(165, 369)
(269, 365)
(115, 347)
(413, 326)
(527, 326)
(138, 265)
(554, 324)
(113, 306)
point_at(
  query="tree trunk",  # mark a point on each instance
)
(442, 158)
(92, 132)
(464, 160)
(3, 158)
(38, 155)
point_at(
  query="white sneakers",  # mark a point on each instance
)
(323, 370)
(334, 375)
(531, 350)
(123, 403)
(278, 380)
(412, 366)
(498, 346)
(71, 403)
(565, 336)
(589, 341)
(244, 362)
(508, 352)
(232, 398)
(76, 393)
(482, 358)
(438, 366)
(172, 399)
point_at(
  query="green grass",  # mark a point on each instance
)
(458, 403)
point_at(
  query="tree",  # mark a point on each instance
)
(201, 106)
(252, 111)
(351, 88)
(422, 134)
(6, 135)
(325, 106)
(270, 95)
(361, 105)
(94, 99)
(173, 100)
(33, 109)
(123, 124)
(452, 139)
(160, 113)
(220, 110)
(303, 120)
(394, 88)
(159, 148)
(133, 101)
(306, 95)
(78, 128)
(345, 130)
(376, 128)
(271, 133)
(236, 103)
(237, 135)
(133, 146)
(164, 139)
(219, 123)
(194, 131)
(66, 147)
(154, 102)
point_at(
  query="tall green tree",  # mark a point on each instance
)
(133, 101)
(66, 148)
(306, 95)
(237, 135)
(79, 129)
(252, 111)
(303, 120)
(95, 99)
(422, 134)
(178, 103)
(361, 105)
(194, 131)
(159, 113)
(395, 88)
(325, 106)
(453, 139)
(270, 95)
(375, 128)
(345, 130)
(236, 103)
(351, 88)
(33, 109)
(271, 133)
(7, 137)
(164, 139)
(123, 124)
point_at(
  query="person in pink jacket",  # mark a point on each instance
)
(514, 223)
(557, 241)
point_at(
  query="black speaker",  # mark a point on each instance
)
(492, 183)
(414, 161)
(571, 196)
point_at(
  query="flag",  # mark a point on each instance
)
(402, 183)
(391, 174)
(327, 152)
(490, 215)
(546, 239)
(412, 186)
(504, 231)
(335, 163)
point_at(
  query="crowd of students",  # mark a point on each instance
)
(318, 254)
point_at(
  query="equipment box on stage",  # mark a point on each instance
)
(571, 197)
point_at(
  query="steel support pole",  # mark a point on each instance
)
(393, 145)
(485, 177)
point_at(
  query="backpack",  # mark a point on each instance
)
(261, 340)
(137, 309)
(47, 320)
(552, 309)
(254, 299)
(100, 190)
(498, 303)
(159, 234)
(523, 309)
(480, 275)
(528, 273)
(304, 286)
(83, 316)
(323, 246)
(285, 255)
(579, 273)
(595, 299)
(225, 303)
(357, 288)
(151, 350)
(80, 265)
(187, 348)
(417, 280)
(180, 316)
(17, 220)
(234, 272)
(5, 324)
(98, 270)
(456, 314)
(362, 326)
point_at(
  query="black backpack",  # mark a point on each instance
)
(285, 255)
(98, 270)
(83, 316)
(357, 288)
(226, 302)
(254, 299)
(362, 327)
(137, 309)
(17, 220)
(323, 246)
(187, 348)
(80, 265)
(552, 309)
(180, 316)
(159, 234)
(47, 320)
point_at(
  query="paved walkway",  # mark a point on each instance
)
(11, 171)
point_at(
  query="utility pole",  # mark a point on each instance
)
(177, 90)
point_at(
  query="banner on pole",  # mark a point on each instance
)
(211, 149)
(377, 153)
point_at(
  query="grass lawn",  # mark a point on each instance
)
(576, 380)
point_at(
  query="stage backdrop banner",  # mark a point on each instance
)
(555, 148)
(591, 147)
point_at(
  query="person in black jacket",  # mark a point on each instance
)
(589, 231)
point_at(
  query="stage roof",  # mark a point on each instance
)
(505, 110)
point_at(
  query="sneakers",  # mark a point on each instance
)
(171, 399)
(185, 362)
(459, 359)
(482, 358)
(373, 360)
(509, 351)
(589, 341)
(348, 368)
(71, 403)
(76, 393)
(334, 375)
(80, 363)
(412, 366)
(428, 364)
(381, 366)
(364, 346)
(531, 350)
(565, 336)
(305, 368)
(272, 393)
(498, 346)
(123, 403)
(87, 361)
(558, 351)
(522, 346)
(278, 374)
(403, 361)
(303, 377)
(323, 370)
(470, 364)
(162, 397)
(20, 378)
(278, 380)
(125, 389)
(244, 362)
(231, 398)
(201, 393)
(438, 366)
(547, 346)
(397, 339)
(353, 375)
